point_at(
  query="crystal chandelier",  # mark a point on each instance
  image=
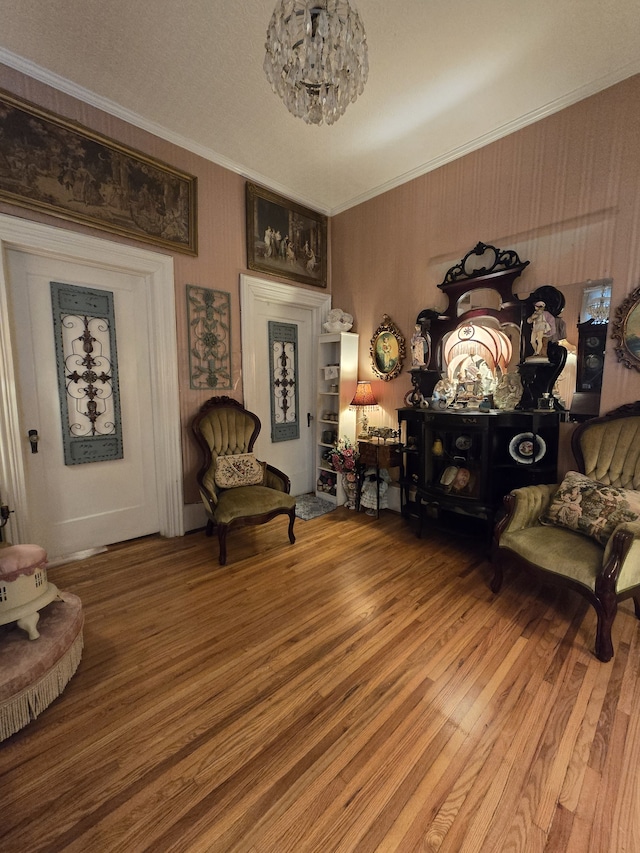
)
(316, 57)
(599, 308)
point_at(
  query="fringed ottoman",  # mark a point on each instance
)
(34, 670)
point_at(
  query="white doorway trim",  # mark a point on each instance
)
(254, 290)
(157, 271)
(259, 290)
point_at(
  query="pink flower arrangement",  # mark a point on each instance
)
(343, 457)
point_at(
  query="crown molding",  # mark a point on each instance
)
(532, 117)
(61, 84)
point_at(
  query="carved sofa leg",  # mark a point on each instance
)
(606, 612)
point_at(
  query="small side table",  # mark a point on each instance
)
(374, 453)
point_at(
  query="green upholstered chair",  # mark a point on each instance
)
(226, 433)
(584, 533)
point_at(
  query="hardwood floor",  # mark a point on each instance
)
(361, 690)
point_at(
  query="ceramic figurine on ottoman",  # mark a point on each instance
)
(24, 589)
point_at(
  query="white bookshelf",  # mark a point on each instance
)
(337, 381)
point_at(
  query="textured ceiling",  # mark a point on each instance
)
(446, 76)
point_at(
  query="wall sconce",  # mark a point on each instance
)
(363, 401)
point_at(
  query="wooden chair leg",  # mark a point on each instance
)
(496, 580)
(209, 528)
(636, 605)
(222, 542)
(292, 518)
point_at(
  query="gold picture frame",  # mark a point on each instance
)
(626, 330)
(387, 350)
(284, 238)
(55, 166)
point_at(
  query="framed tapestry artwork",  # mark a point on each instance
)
(387, 349)
(284, 238)
(59, 167)
(626, 330)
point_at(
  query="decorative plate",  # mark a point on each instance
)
(521, 448)
(463, 442)
(444, 390)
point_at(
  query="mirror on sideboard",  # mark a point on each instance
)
(481, 299)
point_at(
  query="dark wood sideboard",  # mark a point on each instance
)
(462, 463)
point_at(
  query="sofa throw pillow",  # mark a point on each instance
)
(239, 469)
(591, 508)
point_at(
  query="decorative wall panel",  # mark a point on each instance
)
(209, 319)
(283, 346)
(85, 338)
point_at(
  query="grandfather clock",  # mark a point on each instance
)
(592, 341)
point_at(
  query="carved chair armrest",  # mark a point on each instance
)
(525, 506)
(275, 479)
(209, 499)
(621, 560)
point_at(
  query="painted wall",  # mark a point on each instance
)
(564, 193)
(221, 237)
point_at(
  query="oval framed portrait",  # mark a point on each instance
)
(387, 349)
(626, 330)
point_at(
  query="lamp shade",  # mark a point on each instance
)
(364, 396)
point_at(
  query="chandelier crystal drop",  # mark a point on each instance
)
(316, 57)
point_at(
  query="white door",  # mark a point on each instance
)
(77, 507)
(263, 302)
(294, 456)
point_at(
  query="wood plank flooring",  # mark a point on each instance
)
(361, 690)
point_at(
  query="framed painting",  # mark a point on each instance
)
(387, 349)
(59, 167)
(284, 238)
(626, 330)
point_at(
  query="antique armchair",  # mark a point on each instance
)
(585, 532)
(236, 489)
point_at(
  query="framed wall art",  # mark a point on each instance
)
(59, 167)
(626, 330)
(387, 349)
(209, 319)
(87, 361)
(284, 238)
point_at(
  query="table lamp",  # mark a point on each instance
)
(363, 402)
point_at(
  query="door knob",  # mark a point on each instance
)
(34, 438)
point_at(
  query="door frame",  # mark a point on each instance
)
(254, 290)
(156, 270)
